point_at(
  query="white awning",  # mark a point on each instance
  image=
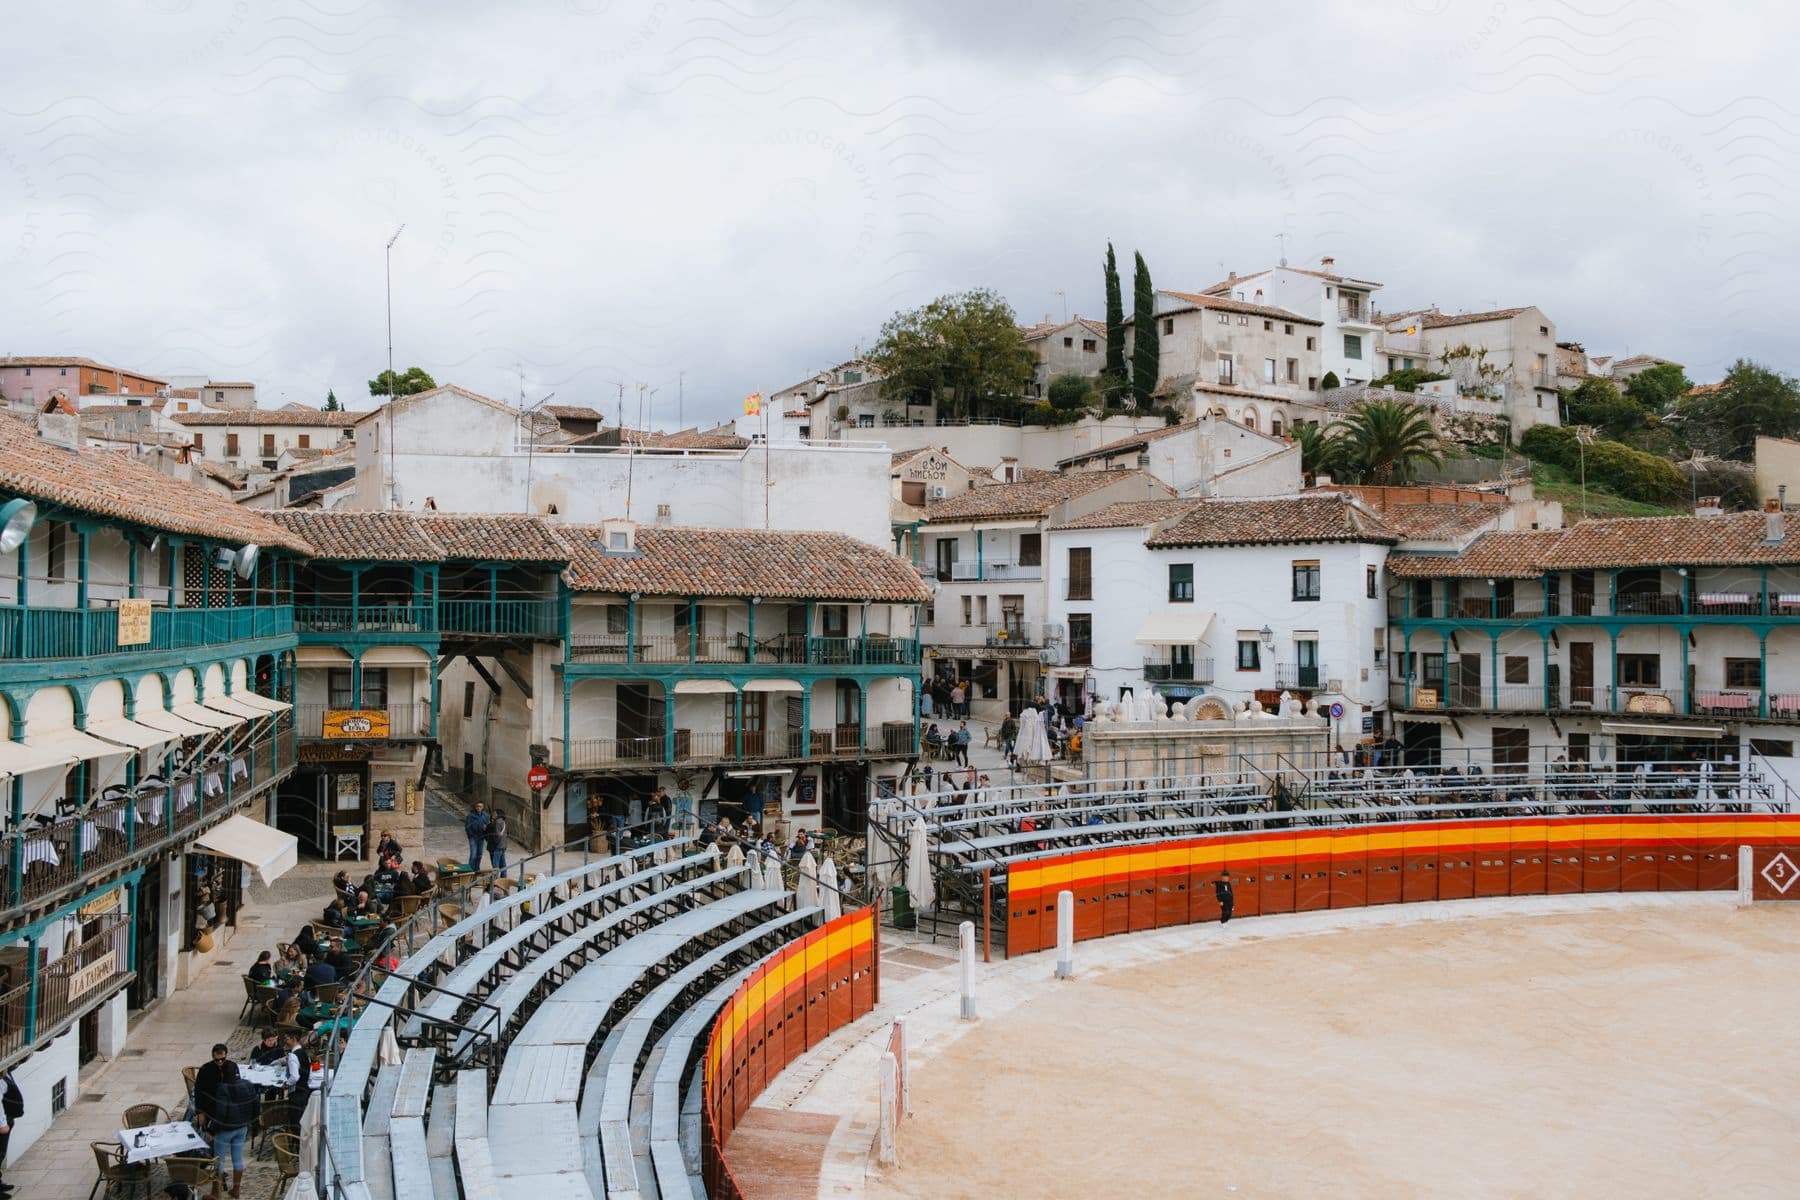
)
(1421, 719)
(321, 656)
(773, 685)
(704, 687)
(187, 710)
(396, 656)
(73, 743)
(17, 758)
(272, 852)
(1068, 672)
(1668, 731)
(1173, 628)
(130, 733)
(253, 700)
(231, 706)
(156, 718)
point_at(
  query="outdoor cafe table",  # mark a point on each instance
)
(267, 1075)
(160, 1141)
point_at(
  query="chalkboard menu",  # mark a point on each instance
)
(384, 796)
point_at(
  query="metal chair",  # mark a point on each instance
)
(140, 1115)
(109, 1161)
(287, 1161)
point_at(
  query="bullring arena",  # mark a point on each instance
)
(1566, 986)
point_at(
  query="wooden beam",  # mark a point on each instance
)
(718, 777)
(513, 674)
(482, 671)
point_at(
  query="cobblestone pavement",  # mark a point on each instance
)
(178, 1032)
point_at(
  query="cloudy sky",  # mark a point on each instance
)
(715, 196)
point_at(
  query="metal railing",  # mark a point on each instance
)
(28, 632)
(1528, 604)
(657, 650)
(39, 1008)
(1311, 676)
(365, 618)
(409, 720)
(535, 618)
(1200, 670)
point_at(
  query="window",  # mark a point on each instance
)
(1169, 325)
(618, 619)
(1225, 371)
(1312, 383)
(981, 611)
(1268, 325)
(619, 540)
(1287, 329)
(1743, 673)
(1181, 583)
(1268, 370)
(912, 491)
(1081, 573)
(1544, 330)
(58, 568)
(1312, 343)
(231, 445)
(865, 420)
(1089, 345)
(1306, 581)
(1771, 748)
(468, 699)
(1012, 614)
(1243, 320)
(1406, 364)
(1293, 370)
(929, 616)
(199, 440)
(1512, 749)
(1224, 318)
(1518, 669)
(1380, 644)
(1081, 639)
(968, 610)
(1249, 656)
(1068, 343)
(305, 441)
(1369, 577)
(1352, 345)
(268, 445)
(1031, 549)
(59, 1093)
(1353, 305)
(1640, 670)
(1275, 425)
(218, 395)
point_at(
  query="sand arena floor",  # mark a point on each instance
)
(1644, 1053)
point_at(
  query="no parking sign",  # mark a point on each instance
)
(1337, 711)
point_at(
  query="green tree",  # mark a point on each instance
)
(1323, 451)
(1070, 392)
(1408, 379)
(963, 352)
(1146, 350)
(1660, 389)
(1752, 401)
(1115, 377)
(409, 382)
(1388, 439)
(331, 402)
(1330, 381)
(1598, 402)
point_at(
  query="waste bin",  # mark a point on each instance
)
(903, 909)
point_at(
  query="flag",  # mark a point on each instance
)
(753, 404)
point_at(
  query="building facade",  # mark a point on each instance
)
(1222, 341)
(28, 383)
(1508, 355)
(255, 439)
(1344, 307)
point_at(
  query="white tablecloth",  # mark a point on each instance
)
(214, 784)
(160, 1141)
(41, 850)
(184, 795)
(240, 769)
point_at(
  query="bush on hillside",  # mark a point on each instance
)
(1635, 475)
(1550, 443)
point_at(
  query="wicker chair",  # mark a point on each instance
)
(193, 1170)
(448, 915)
(287, 1161)
(329, 993)
(140, 1115)
(254, 996)
(109, 1161)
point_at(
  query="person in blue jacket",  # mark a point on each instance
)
(476, 826)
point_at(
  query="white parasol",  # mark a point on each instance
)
(806, 891)
(919, 884)
(1033, 745)
(735, 856)
(828, 889)
(772, 880)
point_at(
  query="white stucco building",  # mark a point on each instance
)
(1343, 305)
(1210, 456)
(1509, 354)
(1223, 341)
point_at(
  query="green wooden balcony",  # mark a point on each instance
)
(501, 618)
(37, 633)
(534, 618)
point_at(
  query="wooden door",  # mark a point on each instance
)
(1581, 670)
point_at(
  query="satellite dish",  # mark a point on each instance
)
(244, 561)
(16, 519)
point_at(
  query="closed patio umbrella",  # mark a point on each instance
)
(806, 891)
(919, 883)
(828, 889)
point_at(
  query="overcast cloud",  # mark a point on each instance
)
(599, 192)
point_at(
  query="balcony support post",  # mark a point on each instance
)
(1762, 654)
(693, 629)
(356, 680)
(131, 569)
(1687, 694)
(1613, 594)
(630, 629)
(737, 723)
(805, 725)
(131, 898)
(1685, 583)
(668, 722)
(750, 638)
(810, 605)
(1549, 695)
(1494, 660)
(31, 994)
(16, 849)
(81, 587)
(436, 686)
(980, 571)
(1762, 596)
(862, 643)
(568, 689)
(494, 599)
(1613, 634)
(356, 598)
(1406, 671)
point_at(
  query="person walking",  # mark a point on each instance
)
(659, 813)
(958, 697)
(476, 826)
(960, 742)
(226, 1114)
(1009, 734)
(12, 1107)
(1222, 890)
(496, 842)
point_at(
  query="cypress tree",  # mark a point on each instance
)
(1146, 352)
(1116, 374)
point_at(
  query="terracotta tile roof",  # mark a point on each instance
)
(1128, 513)
(1034, 332)
(1730, 540)
(1500, 554)
(681, 561)
(1438, 320)
(1328, 518)
(71, 361)
(719, 437)
(573, 412)
(901, 456)
(1027, 498)
(109, 484)
(1226, 285)
(1220, 389)
(443, 389)
(229, 383)
(1222, 304)
(151, 404)
(352, 536)
(1135, 441)
(1436, 522)
(307, 417)
(184, 393)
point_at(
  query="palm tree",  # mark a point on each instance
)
(1322, 451)
(1387, 439)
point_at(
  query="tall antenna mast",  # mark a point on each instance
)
(388, 270)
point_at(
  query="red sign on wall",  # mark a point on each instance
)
(538, 777)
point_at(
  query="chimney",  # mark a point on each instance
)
(59, 429)
(1708, 506)
(1774, 520)
(1327, 262)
